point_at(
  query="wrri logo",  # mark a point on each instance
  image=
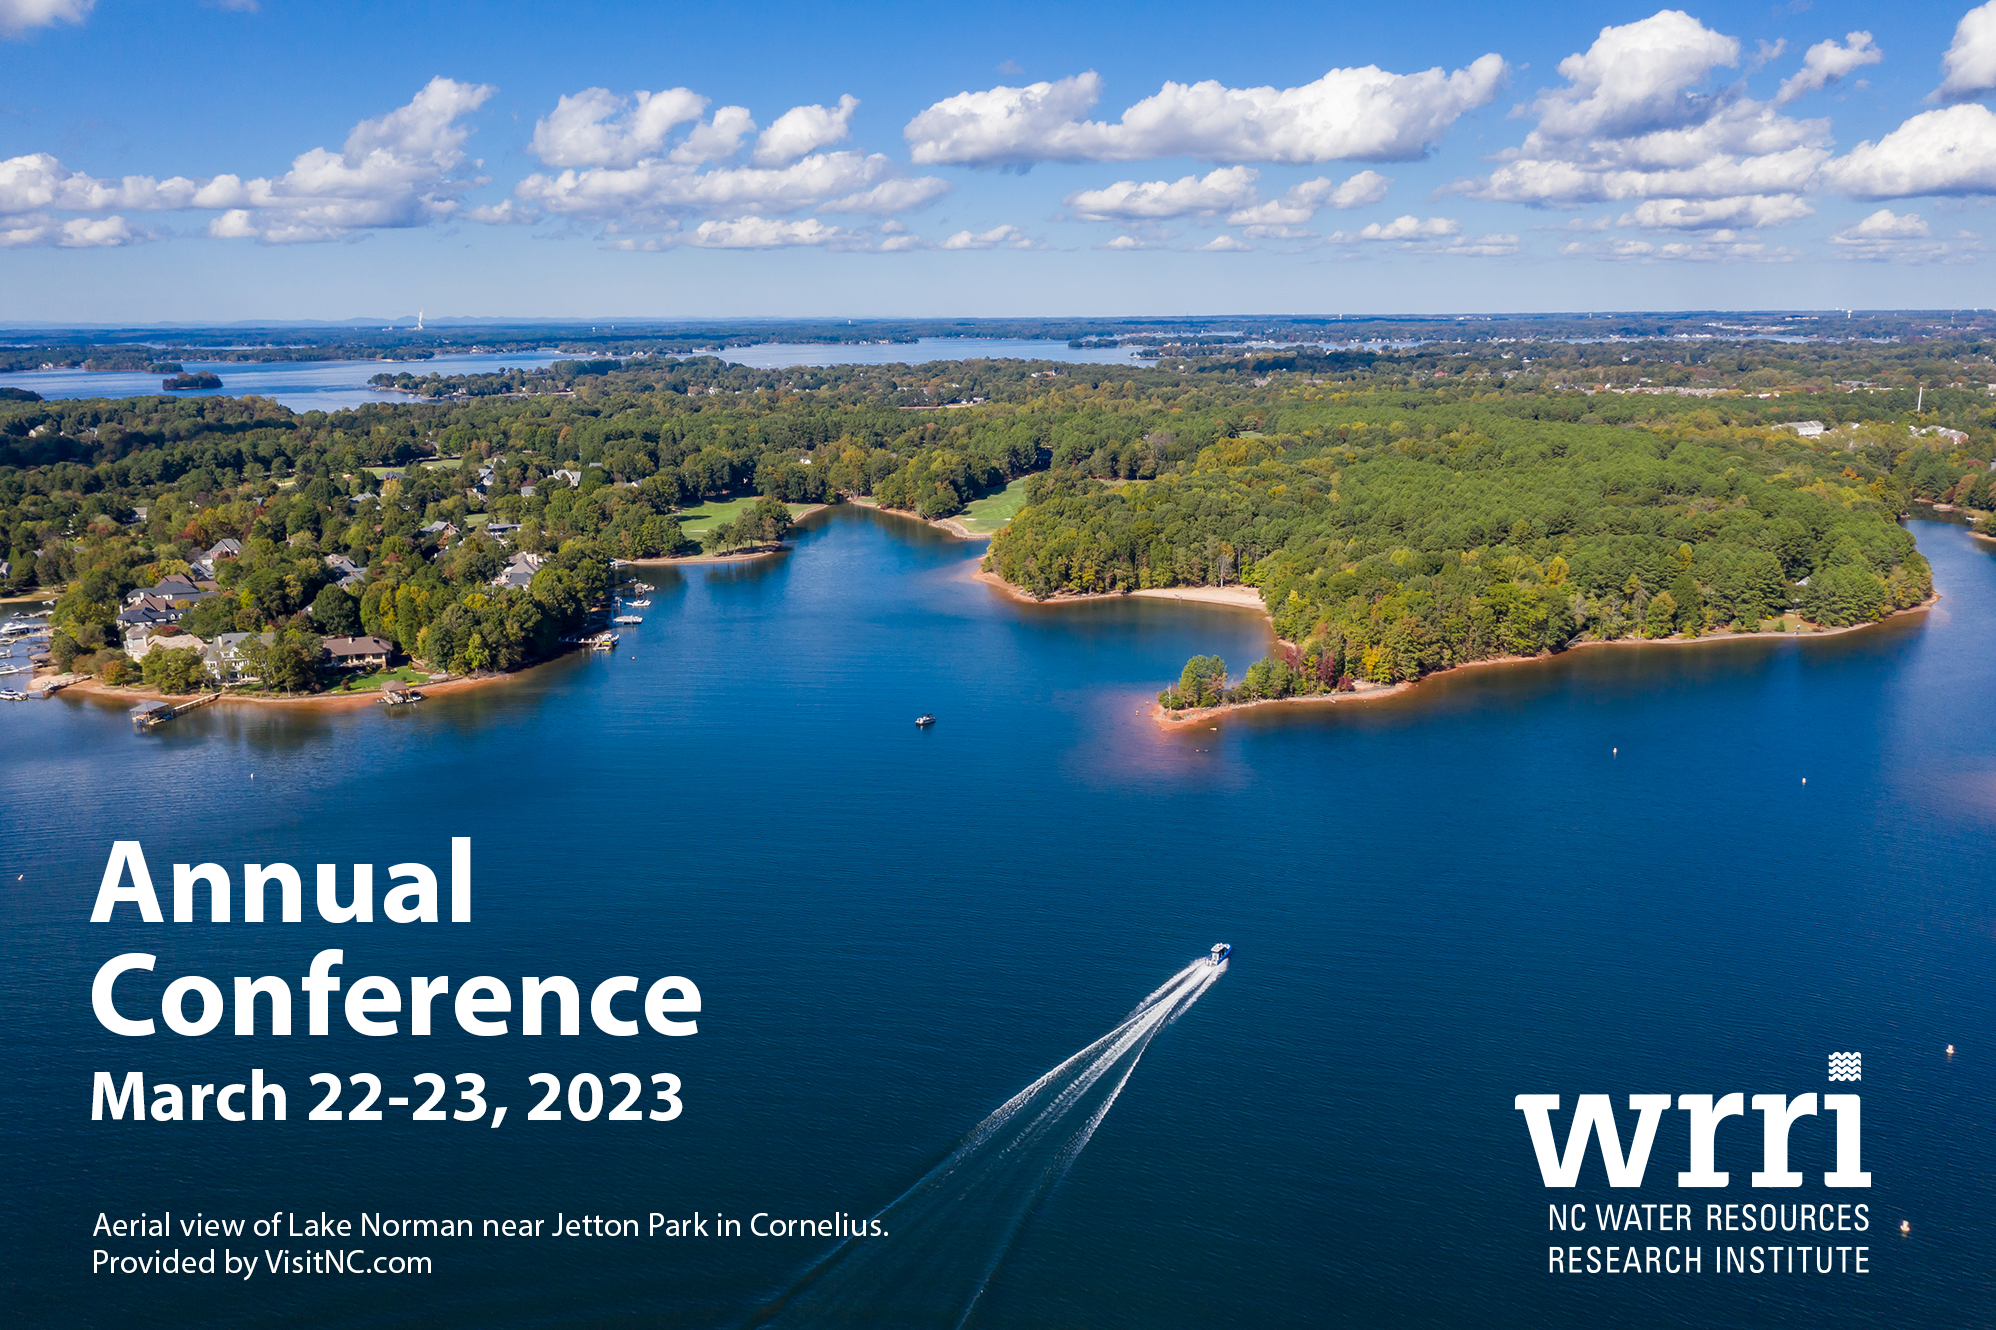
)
(1594, 1115)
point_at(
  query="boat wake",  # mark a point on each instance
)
(940, 1241)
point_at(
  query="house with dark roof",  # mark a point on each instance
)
(359, 652)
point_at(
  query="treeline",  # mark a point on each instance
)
(1390, 539)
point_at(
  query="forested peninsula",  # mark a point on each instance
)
(1400, 511)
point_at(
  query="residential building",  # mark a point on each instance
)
(359, 652)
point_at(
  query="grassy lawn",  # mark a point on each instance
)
(698, 520)
(986, 515)
(403, 674)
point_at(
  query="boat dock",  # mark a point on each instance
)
(150, 715)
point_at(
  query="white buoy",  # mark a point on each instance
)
(1905, 1227)
(1950, 1050)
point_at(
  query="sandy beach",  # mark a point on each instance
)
(322, 701)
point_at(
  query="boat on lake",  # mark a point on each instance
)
(628, 618)
(925, 720)
(1221, 950)
(399, 697)
(639, 604)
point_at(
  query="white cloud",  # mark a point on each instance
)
(1889, 237)
(1124, 243)
(998, 237)
(1126, 200)
(20, 17)
(621, 167)
(802, 130)
(1636, 79)
(1635, 123)
(1490, 246)
(1950, 151)
(1969, 67)
(596, 127)
(1826, 62)
(76, 233)
(1748, 211)
(1365, 114)
(500, 214)
(1302, 201)
(766, 233)
(901, 194)
(1405, 228)
(395, 171)
(652, 191)
(1222, 245)
(1886, 225)
(1721, 247)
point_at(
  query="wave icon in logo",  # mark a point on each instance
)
(1846, 1066)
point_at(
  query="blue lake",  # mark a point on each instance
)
(1601, 873)
(333, 385)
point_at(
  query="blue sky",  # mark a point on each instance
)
(178, 161)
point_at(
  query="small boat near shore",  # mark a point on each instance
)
(629, 618)
(399, 697)
(639, 604)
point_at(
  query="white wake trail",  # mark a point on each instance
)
(947, 1234)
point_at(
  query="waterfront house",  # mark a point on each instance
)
(148, 637)
(359, 652)
(519, 570)
(224, 658)
(149, 611)
(178, 587)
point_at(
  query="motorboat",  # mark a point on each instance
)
(924, 720)
(1221, 950)
(638, 604)
(628, 618)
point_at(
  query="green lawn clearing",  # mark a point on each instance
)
(698, 520)
(986, 515)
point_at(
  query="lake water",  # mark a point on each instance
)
(1437, 903)
(332, 385)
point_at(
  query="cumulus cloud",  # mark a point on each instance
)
(1301, 202)
(1635, 79)
(657, 190)
(394, 171)
(1969, 67)
(1406, 228)
(1826, 62)
(1637, 122)
(1747, 212)
(803, 130)
(20, 17)
(901, 194)
(621, 166)
(76, 233)
(768, 233)
(1950, 151)
(1123, 243)
(998, 237)
(1889, 237)
(1220, 191)
(1364, 114)
(1490, 246)
(1222, 245)
(596, 127)
(1720, 247)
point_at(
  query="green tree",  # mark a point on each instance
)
(1661, 620)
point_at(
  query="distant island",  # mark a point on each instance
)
(1397, 511)
(183, 380)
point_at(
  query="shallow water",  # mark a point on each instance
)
(1437, 902)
